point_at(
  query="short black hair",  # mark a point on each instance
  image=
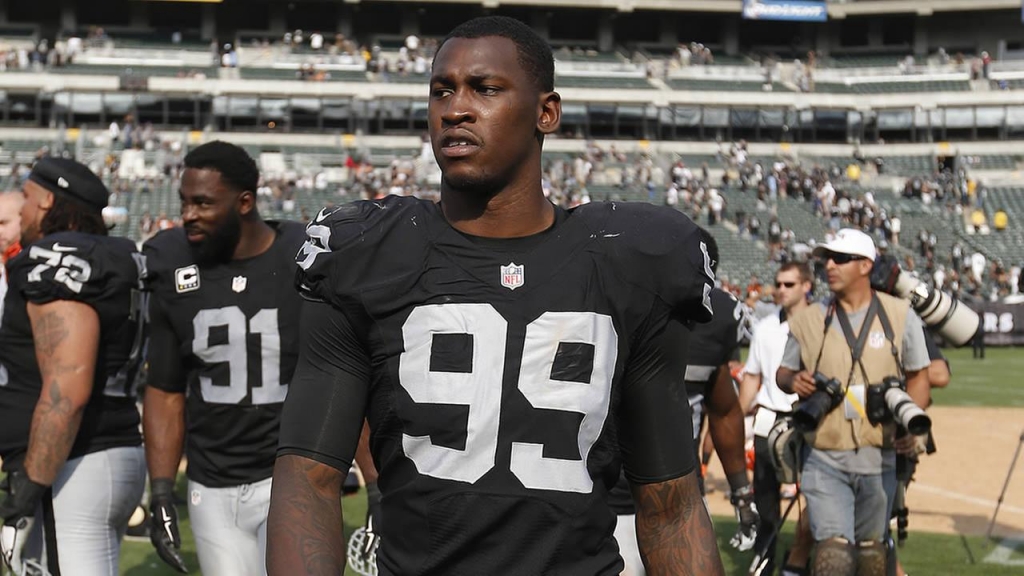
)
(712, 246)
(69, 214)
(534, 52)
(237, 169)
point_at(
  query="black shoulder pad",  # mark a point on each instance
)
(343, 244)
(661, 247)
(75, 266)
(165, 252)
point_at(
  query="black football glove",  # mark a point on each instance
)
(746, 515)
(17, 512)
(373, 521)
(163, 528)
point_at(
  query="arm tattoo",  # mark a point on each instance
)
(304, 531)
(673, 529)
(48, 333)
(62, 351)
(54, 428)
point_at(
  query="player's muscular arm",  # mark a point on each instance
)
(725, 421)
(304, 529)
(673, 529)
(66, 337)
(163, 407)
(163, 426)
(363, 457)
(919, 388)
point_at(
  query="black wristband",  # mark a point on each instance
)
(372, 493)
(161, 488)
(737, 481)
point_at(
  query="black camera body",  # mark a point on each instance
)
(828, 394)
(890, 402)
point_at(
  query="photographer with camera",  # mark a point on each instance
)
(858, 363)
(793, 283)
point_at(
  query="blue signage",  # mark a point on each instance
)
(793, 10)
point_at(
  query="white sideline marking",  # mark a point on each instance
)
(1004, 550)
(953, 495)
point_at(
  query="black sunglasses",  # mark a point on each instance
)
(840, 258)
(786, 284)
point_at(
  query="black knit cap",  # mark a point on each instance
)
(66, 177)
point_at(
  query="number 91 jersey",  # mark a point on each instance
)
(226, 335)
(105, 274)
(503, 376)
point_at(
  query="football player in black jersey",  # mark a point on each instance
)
(709, 388)
(70, 340)
(224, 321)
(509, 355)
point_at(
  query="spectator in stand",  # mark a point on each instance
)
(147, 227)
(1000, 220)
(978, 220)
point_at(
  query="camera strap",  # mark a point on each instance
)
(890, 335)
(856, 344)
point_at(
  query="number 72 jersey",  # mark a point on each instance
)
(504, 376)
(227, 336)
(105, 274)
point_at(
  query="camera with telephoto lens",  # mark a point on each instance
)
(828, 394)
(890, 399)
(949, 317)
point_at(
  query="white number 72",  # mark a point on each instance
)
(480, 390)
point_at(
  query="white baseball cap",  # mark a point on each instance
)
(849, 241)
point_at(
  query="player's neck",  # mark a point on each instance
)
(257, 237)
(510, 214)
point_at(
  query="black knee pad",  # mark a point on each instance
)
(834, 557)
(871, 558)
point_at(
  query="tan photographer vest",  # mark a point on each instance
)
(808, 327)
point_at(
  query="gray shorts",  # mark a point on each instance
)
(843, 504)
(230, 527)
(625, 535)
(93, 498)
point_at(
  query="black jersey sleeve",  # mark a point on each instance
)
(655, 429)
(323, 414)
(662, 248)
(163, 351)
(341, 249)
(67, 266)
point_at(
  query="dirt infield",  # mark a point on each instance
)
(956, 488)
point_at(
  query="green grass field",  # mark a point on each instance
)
(930, 554)
(994, 381)
(989, 382)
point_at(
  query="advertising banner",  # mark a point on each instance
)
(792, 10)
(1003, 323)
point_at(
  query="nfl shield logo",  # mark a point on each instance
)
(512, 276)
(876, 339)
(238, 283)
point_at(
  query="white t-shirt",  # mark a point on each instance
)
(766, 347)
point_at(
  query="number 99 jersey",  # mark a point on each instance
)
(226, 335)
(105, 274)
(504, 380)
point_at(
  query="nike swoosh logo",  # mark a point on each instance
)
(56, 246)
(324, 213)
(167, 525)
